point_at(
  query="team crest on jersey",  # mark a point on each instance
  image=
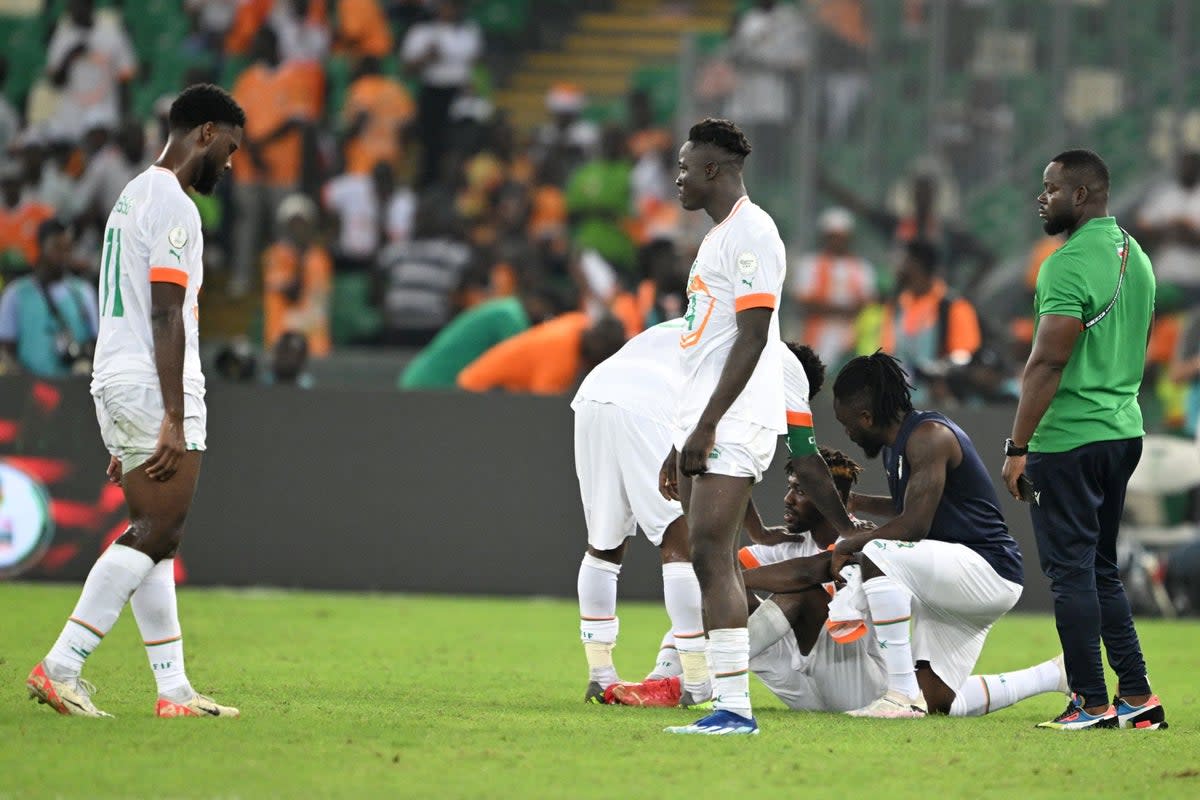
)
(177, 236)
(747, 264)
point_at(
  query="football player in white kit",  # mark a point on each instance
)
(732, 406)
(624, 414)
(149, 394)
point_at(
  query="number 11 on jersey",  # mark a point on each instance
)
(110, 275)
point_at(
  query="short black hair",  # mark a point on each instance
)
(723, 134)
(883, 382)
(204, 102)
(924, 252)
(1084, 167)
(814, 367)
(844, 470)
(51, 227)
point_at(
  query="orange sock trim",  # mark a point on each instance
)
(164, 641)
(83, 624)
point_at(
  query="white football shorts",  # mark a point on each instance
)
(956, 598)
(131, 415)
(742, 449)
(617, 459)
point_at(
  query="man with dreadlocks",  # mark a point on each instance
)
(945, 559)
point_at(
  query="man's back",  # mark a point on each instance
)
(153, 234)
(1096, 399)
(468, 336)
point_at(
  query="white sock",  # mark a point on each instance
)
(681, 594)
(667, 664)
(729, 652)
(767, 626)
(983, 694)
(598, 623)
(157, 615)
(891, 609)
(113, 578)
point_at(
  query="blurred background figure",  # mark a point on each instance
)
(830, 288)
(49, 319)
(297, 279)
(1169, 223)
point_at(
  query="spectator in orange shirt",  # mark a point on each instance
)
(547, 359)
(20, 215)
(375, 115)
(928, 326)
(363, 29)
(297, 280)
(277, 110)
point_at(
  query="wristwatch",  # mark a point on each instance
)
(1011, 449)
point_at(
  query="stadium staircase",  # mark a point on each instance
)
(634, 43)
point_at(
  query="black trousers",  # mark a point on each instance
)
(433, 129)
(1080, 495)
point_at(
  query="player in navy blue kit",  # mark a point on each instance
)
(944, 560)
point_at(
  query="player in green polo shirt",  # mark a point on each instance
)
(1078, 433)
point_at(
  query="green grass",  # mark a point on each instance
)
(393, 696)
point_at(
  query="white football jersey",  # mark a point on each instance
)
(740, 265)
(643, 377)
(795, 389)
(152, 235)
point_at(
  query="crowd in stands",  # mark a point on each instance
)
(381, 200)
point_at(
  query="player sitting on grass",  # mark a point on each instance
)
(792, 651)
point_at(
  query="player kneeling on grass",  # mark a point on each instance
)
(149, 394)
(793, 652)
(945, 560)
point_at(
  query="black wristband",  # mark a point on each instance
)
(1011, 449)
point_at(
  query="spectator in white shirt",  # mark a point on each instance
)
(1170, 229)
(355, 201)
(302, 36)
(91, 60)
(443, 52)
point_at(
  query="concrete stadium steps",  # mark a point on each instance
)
(604, 52)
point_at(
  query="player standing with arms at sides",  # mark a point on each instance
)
(732, 408)
(149, 394)
(1078, 436)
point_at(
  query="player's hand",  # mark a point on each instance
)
(167, 455)
(114, 470)
(1014, 468)
(694, 458)
(864, 525)
(668, 477)
(836, 562)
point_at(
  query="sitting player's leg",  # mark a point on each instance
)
(891, 612)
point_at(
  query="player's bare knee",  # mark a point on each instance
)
(613, 556)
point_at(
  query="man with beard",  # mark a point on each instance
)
(944, 560)
(149, 394)
(1078, 434)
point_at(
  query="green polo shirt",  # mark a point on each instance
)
(466, 338)
(1097, 399)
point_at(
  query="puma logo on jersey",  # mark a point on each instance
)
(177, 254)
(748, 283)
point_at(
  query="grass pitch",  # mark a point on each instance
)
(393, 696)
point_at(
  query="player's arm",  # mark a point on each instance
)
(813, 478)
(872, 505)
(760, 533)
(793, 575)
(1052, 348)
(753, 329)
(931, 450)
(166, 327)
